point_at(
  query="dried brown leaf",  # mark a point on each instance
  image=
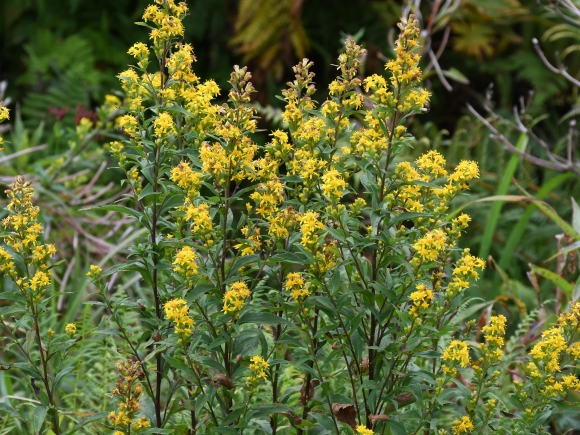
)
(345, 413)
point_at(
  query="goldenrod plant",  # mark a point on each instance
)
(309, 285)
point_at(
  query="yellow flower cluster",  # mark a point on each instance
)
(70, 329)
(279, 148)
(362, 430)
(187, 179)
(310, 226)
(431, 245)
(456, 353)
(421, 300)
(466, 268)
(404, 68)
(268, 196)
(298, 96)
(307, 165)
(464, 172)
(462, 426)
(177, 311)
(164, 125)
(494, 336)
(433, 164)
(252, 242)
(94, 271)
(185, 265)
(333, 185)
(167, 20)
(4, 113)
(198, 215)
(24, 234)
(281, 222)
(180, 62)
(128, 389)
(546, 352)
(297, 288)
(258, 367)
(235, 297)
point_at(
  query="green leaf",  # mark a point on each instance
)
(506, 181)
(406, 217)
(541, 418)
(261, 318)
(118, 208)
(39, 415)
(94, 417)
(60, 376)
(396, 427)
(575, 215)
(455, 74)
(554, 278)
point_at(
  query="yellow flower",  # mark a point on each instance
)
(432, 163)
(310, 227)
(333, 185)
(4, 113)
(362, 430)
(38, 281)
(462, 426)
(547, 351)
(185, 265)
(198, 215)
(139, 50)
(466, 268)
(94, 271)
(258, 367)
(430, 246)
(295, 285)
(235, 297)
(164, 125)
(457, 353)
(177, 311)
(187, 179)
(70, 329)
(421, 300)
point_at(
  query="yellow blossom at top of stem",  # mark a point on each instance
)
(164, 125)
(70, 329)
(433, 163)
(462, 426)
(362, 430)
(548, 349)
(139, 50)
(466, 269)
(310, 227)
(185, 264)
(39, 281)
(177, 311)
(495, 331)
(94, 271)
(404, 68)
(570, 320)
(296, 286)
(4, 113)
(200, 218)
(465, 171)
(235, 297)
(457, 353)
(187, 179)
(421, 299)
(333, 185)
(431, 245)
